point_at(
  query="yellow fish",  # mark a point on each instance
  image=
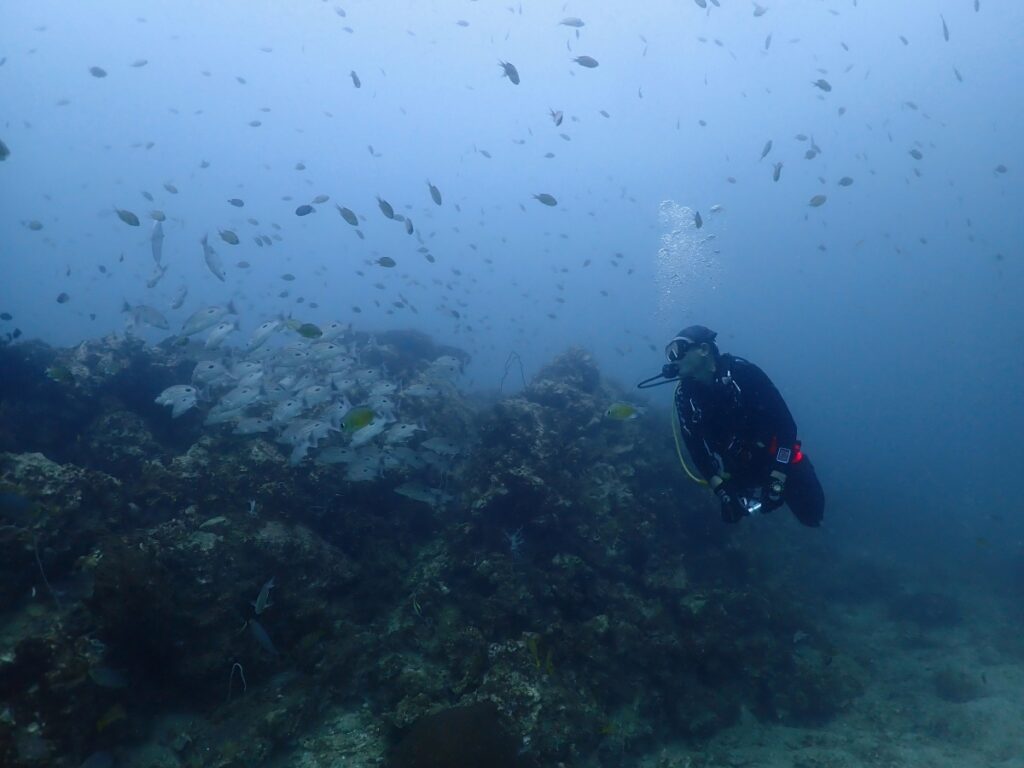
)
(623, 412)
(357, 418)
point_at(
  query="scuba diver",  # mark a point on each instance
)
(738, 430)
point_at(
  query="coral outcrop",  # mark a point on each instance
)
(569, 595)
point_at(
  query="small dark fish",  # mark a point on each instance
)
(571, 21)
(845, 181)
(701, 3)
(127, 217)
(945, 29)
(767, 149)
(6, 316)
(698, 222)
(355, 79)
(320, 199)
(955, 72)
(547, 199)
(822, 84)
(556, 116)
(916, 154)
(385, 207)
(140, 63)
(288, 277)
(510, 71)
(386, 261)
(586, 61)
(4, 151)
(904, 40)
(63, 298)
(171, 188)
(776, 171)
(435, 193)
(817, 201)
(228, 236)
(347, 215)
(261, 637)
(1000, 168)
(768, 42)
(237, 202)
(304, 210)
(97, 71)
(759, 10)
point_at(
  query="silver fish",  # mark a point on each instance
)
(441, 445)
(206, 317)
(179, 297)
(212, 260)
(158, 275)
(262, 333)
(239, 398)
(288, 410)
(367, 433)
(399, 433)
(316, 394)
(142, 314)
(253, 425)
(220, 332)
(156, 242)
(336, 455)
(210, 372)
(180, 398)
(262, 601)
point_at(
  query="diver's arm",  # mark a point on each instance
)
(774, 422)
(700, 452)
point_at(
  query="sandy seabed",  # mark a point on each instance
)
(906, 717)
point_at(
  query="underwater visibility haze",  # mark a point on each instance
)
(320, 324)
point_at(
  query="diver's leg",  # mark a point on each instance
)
(803, 493)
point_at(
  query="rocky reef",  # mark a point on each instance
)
(176, 595)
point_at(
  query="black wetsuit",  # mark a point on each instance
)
(739, 427)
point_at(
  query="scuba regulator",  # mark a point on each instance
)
(669, 372)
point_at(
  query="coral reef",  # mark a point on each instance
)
(570, 596)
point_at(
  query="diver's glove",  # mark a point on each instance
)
(732, 509)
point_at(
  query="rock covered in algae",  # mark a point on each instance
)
(571, 582)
